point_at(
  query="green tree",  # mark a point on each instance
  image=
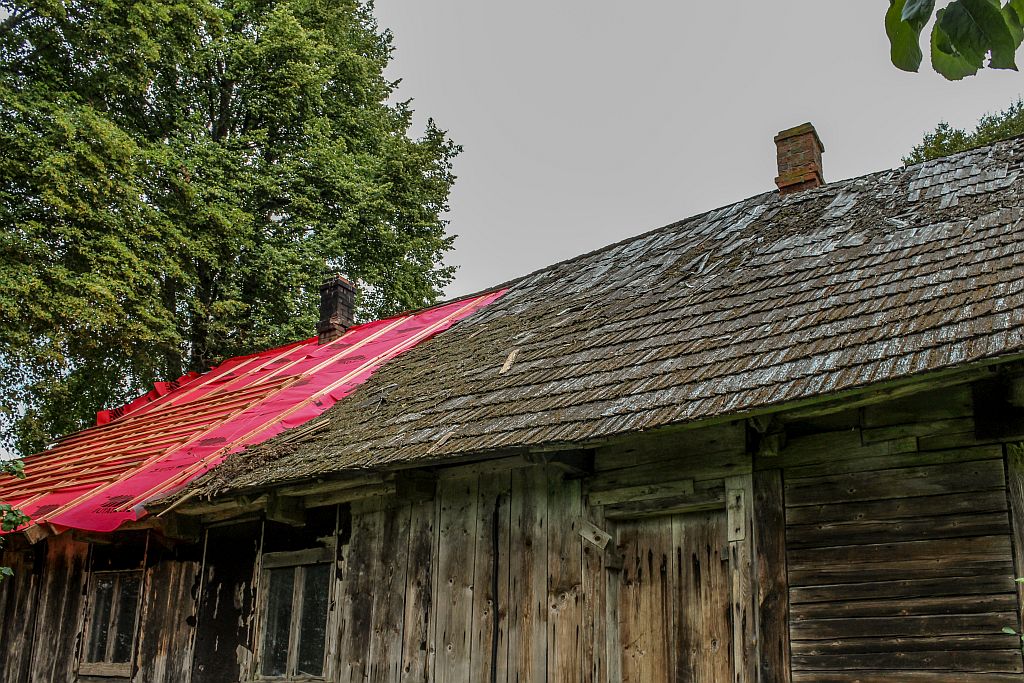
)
(178, 176)
(946, 140)
(964, 34)
(10, 517)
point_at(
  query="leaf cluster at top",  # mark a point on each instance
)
(964, 34)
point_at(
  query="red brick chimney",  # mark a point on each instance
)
(337, 309)
(799, 153)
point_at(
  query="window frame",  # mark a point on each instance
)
(298, 561)
(107, 667)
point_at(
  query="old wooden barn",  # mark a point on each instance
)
(779, 441)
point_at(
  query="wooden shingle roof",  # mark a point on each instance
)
(767, 301)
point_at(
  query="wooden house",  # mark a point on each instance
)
(779, 441)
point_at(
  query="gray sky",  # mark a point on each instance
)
(587, 121)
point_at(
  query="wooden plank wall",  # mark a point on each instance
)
(483, 583)
(682, 608)
(18, 598)
(59, 610)
(878, 545)
(169, 615)
(899, 552)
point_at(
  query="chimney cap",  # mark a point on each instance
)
(802, 129)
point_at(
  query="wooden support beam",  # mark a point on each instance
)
(773, 651)
(286, 510)
(222, 506)
(233, 512)
(700, 501)
(180, 528)
(739, 510)
(576, 464)
(38, 532)
(330, 485)
(350, 495)
(631, 494)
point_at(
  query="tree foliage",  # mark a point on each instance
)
(946, 140)
(10, 517)
(178, 176)
(964, 34)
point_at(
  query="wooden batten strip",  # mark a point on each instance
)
(642, 492)
(696, 502)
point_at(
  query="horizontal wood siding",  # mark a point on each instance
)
(899, 548)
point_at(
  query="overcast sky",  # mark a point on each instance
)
(587, 121)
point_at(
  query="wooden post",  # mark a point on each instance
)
(739, 495)
(772, 583)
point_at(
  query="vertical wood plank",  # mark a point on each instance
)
(1015, 494)
(417, 637)
(528, 577)
(59, 614)
(18, 603)
(612, 609)
(165, 637)
(357, 589)
(565, 578)
(455, 572)
(389, 577)
(772, 583)
(594, 622)
(489, 657)
(703, 630)
(742, 589)
(646, 610)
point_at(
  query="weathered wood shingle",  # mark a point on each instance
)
(769, 300)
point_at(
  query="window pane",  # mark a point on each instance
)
(103, 598)
(127, 606)
(277, 622)
(313, 630)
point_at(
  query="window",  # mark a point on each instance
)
(296, 601)
(111, 623)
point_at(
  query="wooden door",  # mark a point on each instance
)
(673, 600)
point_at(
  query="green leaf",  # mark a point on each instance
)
(975, 28)
(945, 58)
(1017, 7)
(917, 12)
(904, 39)
(1010, 631)
(1014, 23)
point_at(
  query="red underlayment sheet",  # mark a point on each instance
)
(99, 478)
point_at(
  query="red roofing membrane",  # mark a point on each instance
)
(99, 478)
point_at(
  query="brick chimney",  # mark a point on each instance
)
(799, 154)
(337, 309)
